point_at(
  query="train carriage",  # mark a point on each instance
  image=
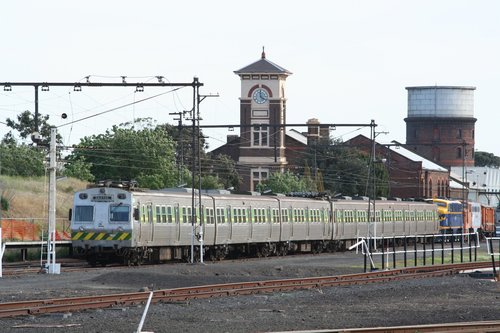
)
(134, 226)
(487, 220)
(451, 219)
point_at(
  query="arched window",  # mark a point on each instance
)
(459, 152)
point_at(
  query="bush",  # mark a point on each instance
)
(4, 204)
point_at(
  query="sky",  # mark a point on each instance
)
(351, 60)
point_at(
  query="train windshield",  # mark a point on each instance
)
(455, 207)
(84, 214)
(119, 213)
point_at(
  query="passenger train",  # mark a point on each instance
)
(112, 222)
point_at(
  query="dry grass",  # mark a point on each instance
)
(28, 197)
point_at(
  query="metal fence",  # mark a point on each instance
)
(33, 229)
(493, 245)
(428, 249)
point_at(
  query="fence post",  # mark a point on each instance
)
(383, 253)
(442, 248)
(462, 247)
(433, 253)
(453, 247)
(415, 251)
(394, 252)
(425, 252)
(405, 244)
(493, 258)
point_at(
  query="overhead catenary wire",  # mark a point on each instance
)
(119, 107)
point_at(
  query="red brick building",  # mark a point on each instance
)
(410, 175)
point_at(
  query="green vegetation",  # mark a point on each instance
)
(484, 159)
(27, 197)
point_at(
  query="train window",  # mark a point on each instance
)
(169, 214)
(237, 215)
(339, 216)
(319, 215)
(348, 216)
(119, 213)
(387, 216)
(275, 215)
(265, 217)
(84, 214)
(412, 215)
(256, 215)
(398, 215)
(186, 214)
(143, 213)
(284, 215)
(163, 215)
(246, 215)
(209, 214)
(221, 215)
(158, 213)
(300, 215)
(362, 216)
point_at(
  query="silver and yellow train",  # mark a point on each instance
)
(111, 223)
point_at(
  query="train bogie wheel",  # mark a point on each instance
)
(264, 251)
(92, 262)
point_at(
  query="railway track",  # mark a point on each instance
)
(464, 327)
(35, 307)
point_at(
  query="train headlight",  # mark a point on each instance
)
(120, 229)
(81, 229)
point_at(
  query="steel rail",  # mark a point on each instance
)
(12, 309)
(463, 327)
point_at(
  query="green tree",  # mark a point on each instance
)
(484, 159)
(25, 126)
(139, 151)
(224, 169)
(21, 160)
(78, 168)
(285, 182)
(345, 170)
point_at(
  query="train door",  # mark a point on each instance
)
(223, 224)
(150, 224)
(286, 223)
(145, 229)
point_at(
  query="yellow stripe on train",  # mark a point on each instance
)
(88, 236)
(97, 236)
(77, 235)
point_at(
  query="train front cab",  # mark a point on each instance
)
(101, 223)
(451, 218)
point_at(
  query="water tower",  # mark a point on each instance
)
(440, 124)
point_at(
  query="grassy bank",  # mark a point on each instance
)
(28, 197)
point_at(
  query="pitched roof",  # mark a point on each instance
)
(426, 164)
(263, 66)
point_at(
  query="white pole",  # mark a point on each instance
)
(143, 318)
(53, 268)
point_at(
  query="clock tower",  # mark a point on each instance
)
(262, 116)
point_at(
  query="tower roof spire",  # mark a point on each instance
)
(263, 53)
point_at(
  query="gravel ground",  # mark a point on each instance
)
(423, 301)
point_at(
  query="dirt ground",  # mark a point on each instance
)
(457, 298)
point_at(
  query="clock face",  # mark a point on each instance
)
(260, 96)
